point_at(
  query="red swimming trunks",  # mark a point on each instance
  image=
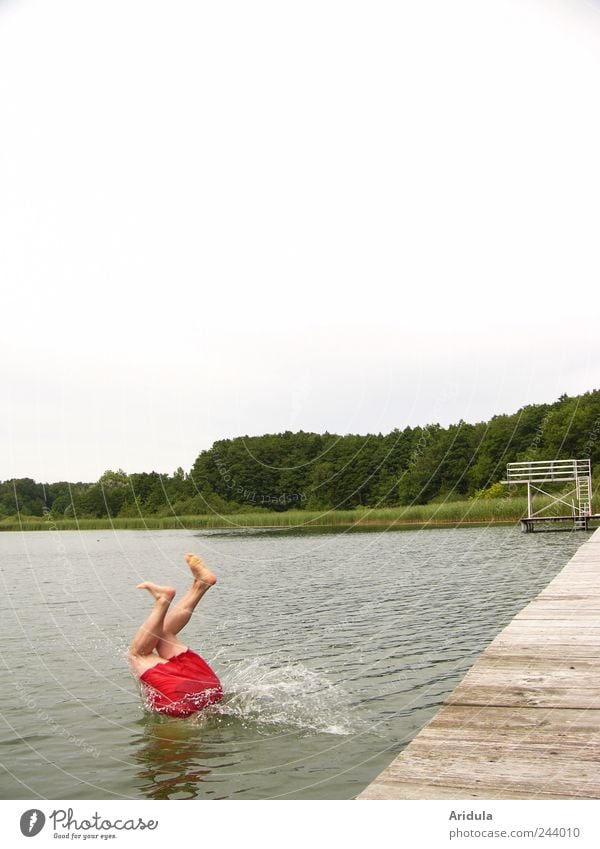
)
(182, 685)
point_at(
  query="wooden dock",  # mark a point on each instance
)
(573, 523)
(524, 723)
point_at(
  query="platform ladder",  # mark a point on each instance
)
(583, 491)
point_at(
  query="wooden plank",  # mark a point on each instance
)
(526, 696)
(584, 581)
(563, 614)
(564, 625)
(539, 650)
(563, 611)
(530, 641)
(519, 627)
(569, 594)
(498, 664)
(396, 788)
(475, 723)
(518, 770)
(532, 631)
(582, 573)
(571, 601)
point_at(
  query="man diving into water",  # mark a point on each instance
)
(176, 680)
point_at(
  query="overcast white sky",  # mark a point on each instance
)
(237, 218)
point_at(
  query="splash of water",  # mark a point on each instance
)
(290, 695)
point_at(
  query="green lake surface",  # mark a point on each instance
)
(333, 649)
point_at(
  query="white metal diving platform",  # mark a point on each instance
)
(535, 473)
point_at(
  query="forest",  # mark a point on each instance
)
(312, 471)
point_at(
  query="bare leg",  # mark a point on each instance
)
(169, 645)
(141, 652)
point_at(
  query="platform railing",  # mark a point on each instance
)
(547, 471)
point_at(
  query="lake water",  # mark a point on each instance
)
(333, 650)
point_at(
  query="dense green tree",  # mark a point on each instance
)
(329, 471)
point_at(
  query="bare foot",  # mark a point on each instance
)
(200, 570)
(159, 593)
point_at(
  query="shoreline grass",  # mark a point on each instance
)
(444, 514)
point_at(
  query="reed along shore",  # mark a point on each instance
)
(480, 511)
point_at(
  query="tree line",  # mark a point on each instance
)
(310, 471)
